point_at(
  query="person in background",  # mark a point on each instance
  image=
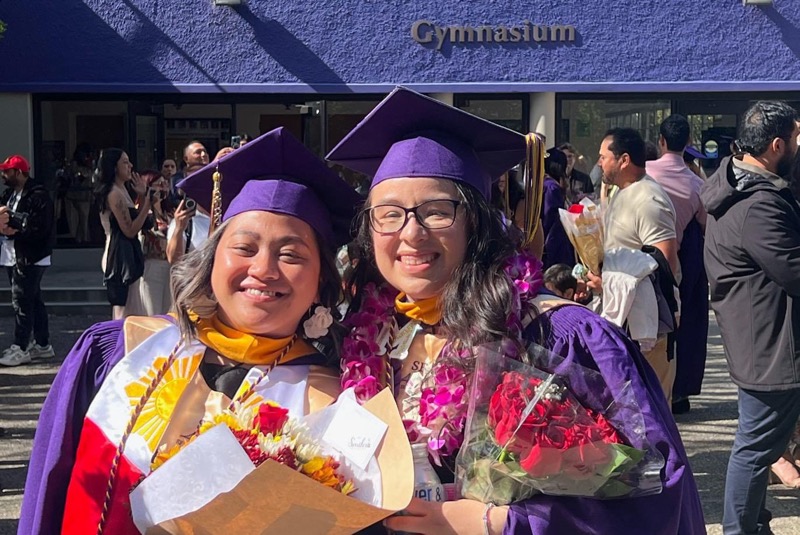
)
(639, 214)
(153, 297)
(195, 156)
(79, 194)
(168, 169)
(222, 152)
(752, 257)
(683, 188)
(690, 157)
(557, 247)
(515, 211)
(25, 252)
(244, 139)
(651, 151)
(579, 184)
(559, 280)
(119, 213)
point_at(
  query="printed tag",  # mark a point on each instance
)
(355, 432)
(404, 338)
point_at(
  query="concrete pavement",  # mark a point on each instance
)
(707, 430)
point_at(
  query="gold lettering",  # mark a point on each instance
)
(461, 34)
(539, 33)
(484, 34)
(441, 36)
(562, 33)
(527, 31)
(422, 31)
(516, 34)
(501, 34)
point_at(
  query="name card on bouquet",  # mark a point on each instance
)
(355, 432)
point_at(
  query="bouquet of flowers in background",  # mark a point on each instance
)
(583, 224)
(528, 434)
(266, 432)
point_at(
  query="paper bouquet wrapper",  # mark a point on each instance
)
(585, 232)
(274, 499)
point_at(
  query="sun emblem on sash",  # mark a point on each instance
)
(157, 410)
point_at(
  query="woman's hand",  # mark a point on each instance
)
(139, 185)
(461, 517)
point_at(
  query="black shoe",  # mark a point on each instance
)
(681, 406)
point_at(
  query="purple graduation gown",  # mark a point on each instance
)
(557, 247)
(584, 338)
(95, 353)
(692, 333)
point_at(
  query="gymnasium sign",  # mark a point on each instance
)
(426, 32)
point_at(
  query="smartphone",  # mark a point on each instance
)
(236, 141)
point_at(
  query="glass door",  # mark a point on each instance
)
(147, 126)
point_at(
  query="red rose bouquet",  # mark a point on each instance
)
(528, 434)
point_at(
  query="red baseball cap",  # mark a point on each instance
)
(16, 162)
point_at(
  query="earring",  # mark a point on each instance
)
(317, 325)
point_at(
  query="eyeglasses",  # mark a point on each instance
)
(433, 215)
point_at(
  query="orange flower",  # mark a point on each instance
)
(322, 469)
(164, 454)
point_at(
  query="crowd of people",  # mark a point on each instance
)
(443, 219)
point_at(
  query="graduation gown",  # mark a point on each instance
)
(557, 247)
(62, 424)
(692, 334)
(582, 337)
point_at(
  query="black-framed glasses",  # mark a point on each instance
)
(434, 215)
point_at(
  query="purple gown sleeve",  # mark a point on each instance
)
(60, 424)
(582, 337)
(557, 247)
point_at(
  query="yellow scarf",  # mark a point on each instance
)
(425, 310)
(247, 348)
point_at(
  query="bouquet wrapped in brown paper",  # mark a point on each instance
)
(583, 224)
(212, 487)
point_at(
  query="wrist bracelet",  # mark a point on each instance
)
(486, 511)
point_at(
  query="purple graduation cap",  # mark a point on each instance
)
(694, 153)
(411, 135)
(277, 173)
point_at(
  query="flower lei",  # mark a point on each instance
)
(442, 406)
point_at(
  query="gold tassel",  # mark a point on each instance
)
(533, 186)
(216, 200)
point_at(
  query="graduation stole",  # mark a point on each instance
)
(248, 348)
(425, 311)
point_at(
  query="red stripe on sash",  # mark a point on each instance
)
(87, 487)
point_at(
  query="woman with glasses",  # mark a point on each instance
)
(436, 250)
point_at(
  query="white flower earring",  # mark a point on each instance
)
(317, 325)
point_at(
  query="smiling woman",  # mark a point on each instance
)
(241, 300)
(441, 282)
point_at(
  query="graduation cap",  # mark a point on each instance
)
(411, 135)
(277, 173)
(696, 153)
(554, 155)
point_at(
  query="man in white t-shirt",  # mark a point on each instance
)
(639, 213)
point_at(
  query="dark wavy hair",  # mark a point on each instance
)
(190, 285)
(763, 122)
(627, 141)
(477, 299)
(675, 130)
(104, 175)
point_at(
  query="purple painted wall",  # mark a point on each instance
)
(365, 45)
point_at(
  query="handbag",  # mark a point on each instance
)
(125, 260)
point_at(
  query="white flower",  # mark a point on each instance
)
(317, 325)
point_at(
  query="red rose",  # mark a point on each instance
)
(576, 209)
(271, 418)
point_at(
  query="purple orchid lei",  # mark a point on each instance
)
(442, 405)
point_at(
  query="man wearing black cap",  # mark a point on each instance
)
(25, 252)
(752, 256)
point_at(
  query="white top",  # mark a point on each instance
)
(641, 214)
(8, 256)
(201, 223)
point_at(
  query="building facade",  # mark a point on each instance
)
(150, 75)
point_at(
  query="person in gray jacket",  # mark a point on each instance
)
(752, 256)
